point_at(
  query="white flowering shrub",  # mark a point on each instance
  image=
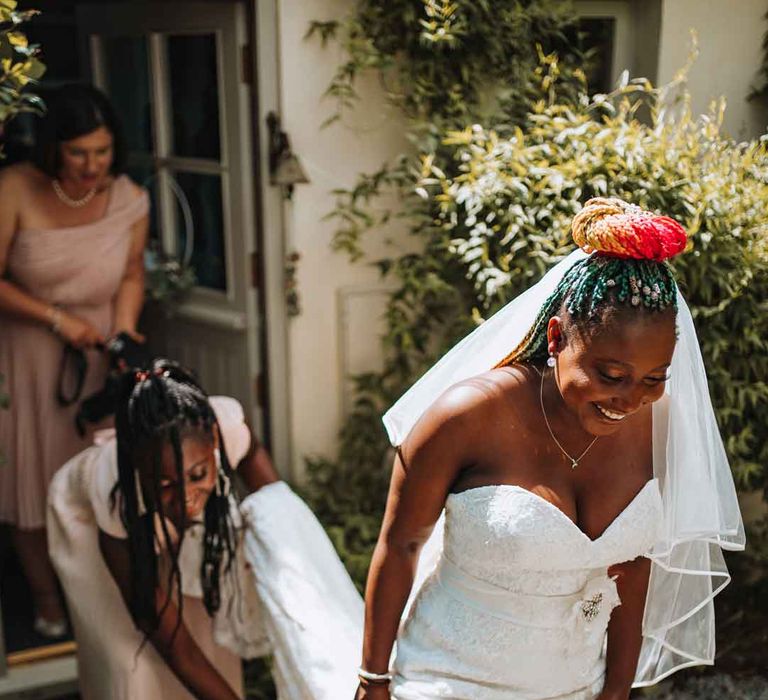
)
(504, 205)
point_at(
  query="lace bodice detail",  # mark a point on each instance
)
(519, 590)
(508, 536)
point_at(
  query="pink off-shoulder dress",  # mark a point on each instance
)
(80, 269)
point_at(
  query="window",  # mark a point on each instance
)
(171, 111)
(620, 35)
(595, 37)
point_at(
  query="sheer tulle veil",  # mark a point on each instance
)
(701, 512)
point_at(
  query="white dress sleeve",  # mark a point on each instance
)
(234, 432)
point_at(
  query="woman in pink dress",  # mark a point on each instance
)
(72, 235)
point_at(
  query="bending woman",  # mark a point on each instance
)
(585, 490)
(169, 582)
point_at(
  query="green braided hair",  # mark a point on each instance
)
(627, 269)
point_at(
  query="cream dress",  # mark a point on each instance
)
(109, 662)
(291, 596)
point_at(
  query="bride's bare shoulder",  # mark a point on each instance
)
(468, 418)
(483, 395)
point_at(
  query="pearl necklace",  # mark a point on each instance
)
(66, 199)
(574, 460)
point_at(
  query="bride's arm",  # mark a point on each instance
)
(424, 470)
(625, 628)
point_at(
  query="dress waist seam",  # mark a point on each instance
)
(528, 610)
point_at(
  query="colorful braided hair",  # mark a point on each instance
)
(163, 405)
(629, 248)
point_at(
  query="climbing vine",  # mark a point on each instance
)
(507, 144)
(761, 90)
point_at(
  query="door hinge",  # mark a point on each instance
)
(246, 64)
(256, 270)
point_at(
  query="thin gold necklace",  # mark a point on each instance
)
(75, 203)
(574, 460)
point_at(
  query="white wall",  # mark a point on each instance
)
(339, 328)
(730, 34)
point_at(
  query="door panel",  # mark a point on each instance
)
(216, 353)
(174, 73)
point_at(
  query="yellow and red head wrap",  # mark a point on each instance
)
(614, 227)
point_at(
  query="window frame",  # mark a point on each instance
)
(163, 162)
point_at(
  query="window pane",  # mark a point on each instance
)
(194, 95)
(203, 194)
(595, 36)
(128, 86)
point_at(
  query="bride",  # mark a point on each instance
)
(563, 466)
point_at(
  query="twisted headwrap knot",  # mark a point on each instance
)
(615, 227)
(628, 248)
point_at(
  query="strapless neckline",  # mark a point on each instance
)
(645, 489)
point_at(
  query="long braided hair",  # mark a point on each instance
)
(627, 269)
(159, 406)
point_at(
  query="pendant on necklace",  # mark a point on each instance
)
(574, 463)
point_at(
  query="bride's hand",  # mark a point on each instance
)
(369, 691)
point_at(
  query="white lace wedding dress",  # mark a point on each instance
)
(518, 604)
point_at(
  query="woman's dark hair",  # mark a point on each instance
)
(73, 111)
(161, 406)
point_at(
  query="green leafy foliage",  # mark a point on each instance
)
(742, 608)
(489, 194)
(346, 495)
(508, 207)
(257, 681)
(715, 687)
(444, 65)
(19, 63)
(761, 90)
(440, 60)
